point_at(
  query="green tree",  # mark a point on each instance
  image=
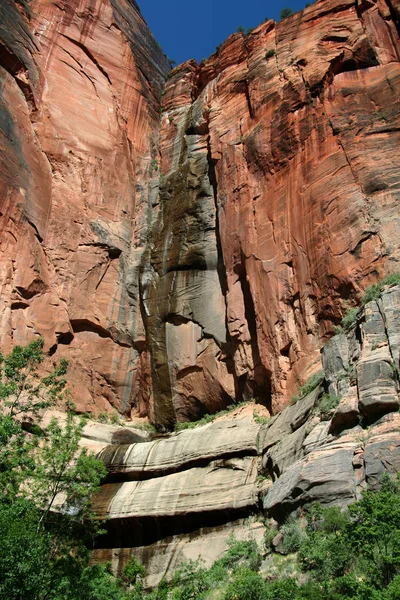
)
(62, 471)
(24, 555)
(241, 554)
(284, 589)
(189, 581)
(374, 531)
(285, 12)
(23, 394)
(22, 391)
(46, 487)
(246, 585)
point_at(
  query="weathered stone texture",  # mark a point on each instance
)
(182, 450)
(79, 105)
(182, 266)
(224, 485)
(339, 457)
(208, 476)
(302, 162)
(162, 558)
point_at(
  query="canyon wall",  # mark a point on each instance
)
(188, 239)
(279, 164)
(80, 91)
(184, 265)
(180, 496)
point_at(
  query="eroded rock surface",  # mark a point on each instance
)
(162, 558)
(80, 88)
(199, 481)
(184, 265)
(182, 450)
(298, 122)
(337, 457)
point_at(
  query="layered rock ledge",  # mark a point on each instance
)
(196, 483)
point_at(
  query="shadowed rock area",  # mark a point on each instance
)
(236, 467)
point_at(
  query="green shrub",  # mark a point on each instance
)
(246, 585)
(351, 586)
(102, 417)
(309, 386)
(207, 418)
(269, 54)
(293, 535)
(114, 418)
(70, 406)
(133, 571)
(343, 555)
(392, 592)
(241, 553)
(327, 520)
(375, 531)
(189, 581)
(374, 291)
(349, 318)
(327, 403)
(325, 555)
(392, 279)
(285, 12)
(260, 419)
(217, 574)
(145, 426)
(284, 589)
(270, 533)
(192, 424)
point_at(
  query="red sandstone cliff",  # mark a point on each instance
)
(80, 87)
(183, 267)
(279, 155)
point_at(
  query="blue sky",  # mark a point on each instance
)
(187, 29)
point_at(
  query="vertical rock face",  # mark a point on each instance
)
(79, 114)
(182, 266)
(299, 124)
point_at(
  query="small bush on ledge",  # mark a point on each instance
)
(207, 418)
(327, 404)
(349, 318)
(309, 386)
(374, 291)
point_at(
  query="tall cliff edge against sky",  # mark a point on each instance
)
(184, 265)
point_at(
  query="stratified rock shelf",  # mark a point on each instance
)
(185, 264)
(175, 498)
